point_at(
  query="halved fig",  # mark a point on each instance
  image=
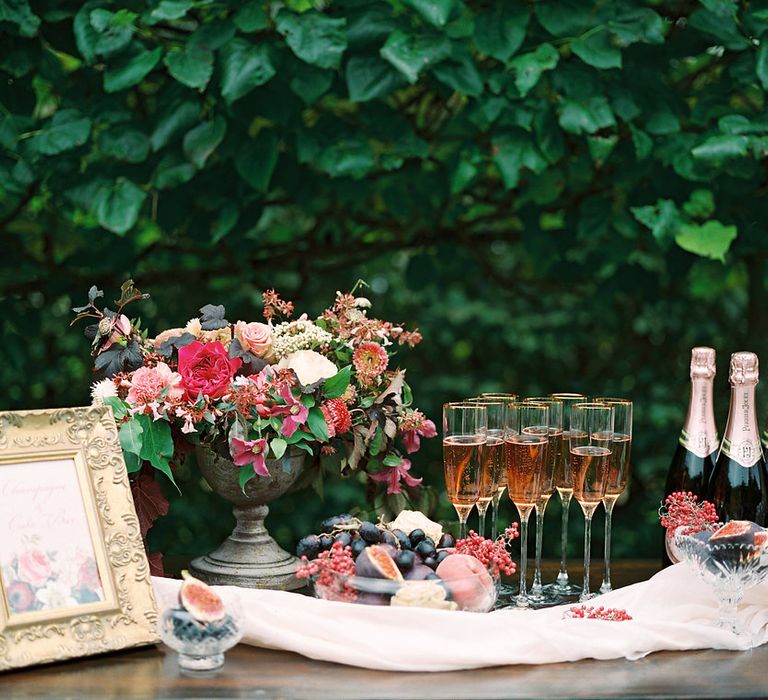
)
(375, 562)
(199, 600)
(735, 532)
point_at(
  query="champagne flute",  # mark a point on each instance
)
(492, 464)
(564, 486)
(502, 483)
(590, 447)
(618, 472)
(539, 594)
(465, 428)
(525, 456)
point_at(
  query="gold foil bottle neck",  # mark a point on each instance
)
(703, 363)
(744, 369)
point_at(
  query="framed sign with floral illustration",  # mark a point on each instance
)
(74, 577)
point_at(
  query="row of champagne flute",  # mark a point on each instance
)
(493, 442)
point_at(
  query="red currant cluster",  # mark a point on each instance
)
(683, 509)
(588, 612)
(492, 554)
(330, 568)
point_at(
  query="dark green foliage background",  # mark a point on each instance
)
(562, 195)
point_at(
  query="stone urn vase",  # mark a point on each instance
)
(249, 557)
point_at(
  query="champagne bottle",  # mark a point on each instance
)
(694, 459)
(739, 484)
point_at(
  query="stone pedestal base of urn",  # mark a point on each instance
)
(249, 557)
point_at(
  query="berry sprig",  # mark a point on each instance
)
(589, 612)
(491, 553)
(331, 567)
(683, 509)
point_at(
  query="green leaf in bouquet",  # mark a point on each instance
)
(278, 447)
(245, 475)
(700, 205)
(130, 434)
(132, 462)
(761, 64)
(157, 444)
(407, 394)
(335, 386)
(317, 424)
(307, 400)
(377, 442)
(717, 149)
(118, 406)
(392, 460)
(307, 448)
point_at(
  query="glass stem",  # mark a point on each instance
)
(585, 595)
(495, 516)
(482, 524)
(606, 586)
(462, 527)
(536, 588)
(522, 598)
(562, 576)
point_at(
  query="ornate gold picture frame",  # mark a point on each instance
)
(74, 577)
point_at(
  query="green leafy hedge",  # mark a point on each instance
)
(549, 189)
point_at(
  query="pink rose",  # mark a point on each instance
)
(254, 337)
(34, 568)
(147, 384)
(206, 369)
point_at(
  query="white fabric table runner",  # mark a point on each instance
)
(673, 610)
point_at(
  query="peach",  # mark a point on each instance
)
(468, 582)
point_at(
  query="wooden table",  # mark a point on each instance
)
(264, 674)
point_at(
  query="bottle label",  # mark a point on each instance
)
(702, 443)
(746, 452)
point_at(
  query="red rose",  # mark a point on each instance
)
(206, 369)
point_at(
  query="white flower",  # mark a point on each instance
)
(102, 390)
(422, 594)
(194, 327)
(56, 595)
(362, 303)
(310, 366)
(410, 520)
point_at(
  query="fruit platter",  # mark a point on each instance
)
(409, 561)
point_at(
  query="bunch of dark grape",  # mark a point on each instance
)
(415, 554)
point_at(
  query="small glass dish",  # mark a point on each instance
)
(473, 593)
(730, 568)
(200, 646)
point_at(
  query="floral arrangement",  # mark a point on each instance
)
(252, 390)
(683, 509)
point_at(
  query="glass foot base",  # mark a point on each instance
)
(565, 590)
(605, 588)
(516, 602)
(544, 597)
(584, 597)
(201, 663)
